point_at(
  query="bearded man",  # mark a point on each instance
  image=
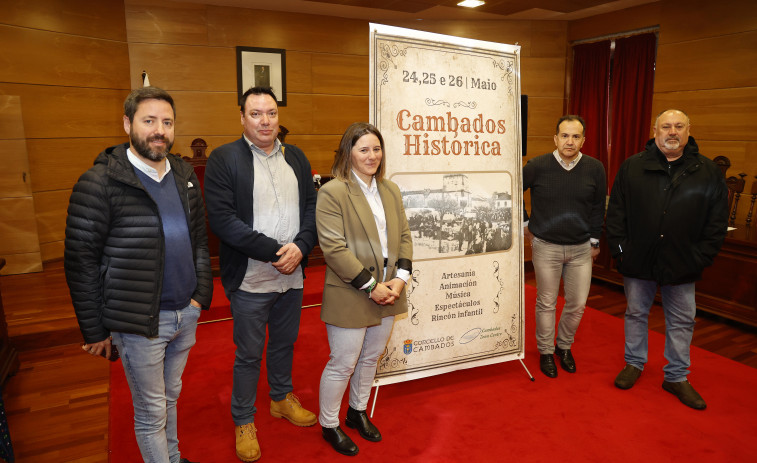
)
(138, 267)
(666, 221)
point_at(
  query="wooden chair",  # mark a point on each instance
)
(751, 204)
(735, 191)
(199, 160)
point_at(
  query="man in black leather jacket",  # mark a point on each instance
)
(666, 221)
(138, 267)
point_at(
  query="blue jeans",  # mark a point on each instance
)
(153, 368)
(573, 264)
(354, 356)
(252, 312)
(679, 308)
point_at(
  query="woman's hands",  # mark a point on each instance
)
(388, 292)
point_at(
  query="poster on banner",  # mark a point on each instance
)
(449, 111)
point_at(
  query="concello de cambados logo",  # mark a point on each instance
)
(408, 347)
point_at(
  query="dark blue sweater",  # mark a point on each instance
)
(179, 279)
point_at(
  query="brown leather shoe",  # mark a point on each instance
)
(685, 393)
(248, 448)
(291, 409)
(627, 377)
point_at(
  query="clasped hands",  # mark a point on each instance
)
(387, 292)
(290, 257)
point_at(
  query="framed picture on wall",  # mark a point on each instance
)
(262, 67)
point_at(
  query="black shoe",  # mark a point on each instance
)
(184, 460)
(359, 420)
(566, 359)
(339, 440)
(547, 364)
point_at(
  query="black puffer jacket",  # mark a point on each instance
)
(114, 248)
(662, 227)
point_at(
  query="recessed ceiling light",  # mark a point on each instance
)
(471, 3)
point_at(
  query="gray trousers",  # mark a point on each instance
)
(573, 264)
(354, 356)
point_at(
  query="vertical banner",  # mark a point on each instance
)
(449, 111)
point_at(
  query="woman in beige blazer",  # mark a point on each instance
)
(365, 238)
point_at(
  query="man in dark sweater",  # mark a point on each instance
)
(568, 191)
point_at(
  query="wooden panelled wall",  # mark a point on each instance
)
(706, 66)
(72, 64)
(69, 64)
(76, 61)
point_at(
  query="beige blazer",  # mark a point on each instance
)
(349, 239)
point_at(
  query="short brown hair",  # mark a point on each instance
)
(571, 118)
(343, 158)
(145, 93)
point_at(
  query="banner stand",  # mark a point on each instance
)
(449, 112)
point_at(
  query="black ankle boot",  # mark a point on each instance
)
(359, 420)
(339, 440)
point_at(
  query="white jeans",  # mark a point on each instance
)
(354, 356)
(551, 262)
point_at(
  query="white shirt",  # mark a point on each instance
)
(377, 207)
(565, 165)
(147, 169)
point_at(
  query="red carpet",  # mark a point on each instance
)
(492, 413)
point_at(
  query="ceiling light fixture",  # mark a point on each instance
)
(471, 3)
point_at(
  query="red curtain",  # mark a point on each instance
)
(632, 85)
(589, 94)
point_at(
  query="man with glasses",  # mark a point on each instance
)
(261, 204)
(666, 221)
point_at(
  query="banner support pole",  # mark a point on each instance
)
(375, 394)
(526, 368)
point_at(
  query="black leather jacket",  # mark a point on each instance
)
(665, 227)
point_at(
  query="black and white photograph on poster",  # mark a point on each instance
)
(457, 214)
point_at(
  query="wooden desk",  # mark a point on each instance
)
(728, 288)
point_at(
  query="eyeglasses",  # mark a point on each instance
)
(259, 114)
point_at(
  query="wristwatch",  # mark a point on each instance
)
(595, 245)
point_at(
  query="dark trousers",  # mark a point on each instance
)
(252, 312)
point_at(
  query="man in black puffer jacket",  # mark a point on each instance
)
(666, 221)
(138, 267)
